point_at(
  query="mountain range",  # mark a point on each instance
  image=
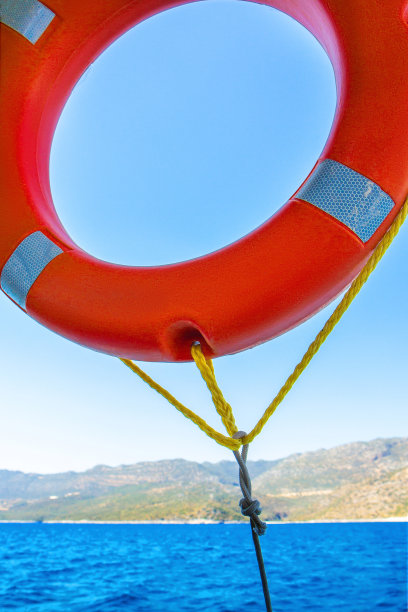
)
(360, 480)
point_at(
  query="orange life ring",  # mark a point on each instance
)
(249, 291)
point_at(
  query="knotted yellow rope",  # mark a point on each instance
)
(207, 369)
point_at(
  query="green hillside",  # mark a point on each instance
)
(361, 480)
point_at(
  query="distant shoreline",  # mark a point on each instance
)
(392, 519)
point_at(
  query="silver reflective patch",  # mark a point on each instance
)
(26, 264)
(28, 17)
(348, 196)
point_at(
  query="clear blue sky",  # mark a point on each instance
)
(187, 133)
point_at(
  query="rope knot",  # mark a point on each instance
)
(248, 508)
(252, 509)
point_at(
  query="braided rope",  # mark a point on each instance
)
(207, 372)
(206, 367)
(252, 508)
(189, 414)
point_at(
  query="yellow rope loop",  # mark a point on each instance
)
(206, 368)
(189, 414)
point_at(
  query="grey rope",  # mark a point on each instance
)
(252, 508)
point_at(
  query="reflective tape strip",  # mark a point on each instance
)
(348, 196)
(26, 264)
(28, 17)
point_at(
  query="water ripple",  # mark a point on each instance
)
(193, 568)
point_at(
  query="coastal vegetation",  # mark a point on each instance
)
(361, 480)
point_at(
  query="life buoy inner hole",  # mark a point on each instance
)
(189, 131)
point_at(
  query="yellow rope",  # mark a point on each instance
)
(328, 327)
(207, 372)
(189, 414)
(207, 369)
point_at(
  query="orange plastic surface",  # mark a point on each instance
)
(250, 291)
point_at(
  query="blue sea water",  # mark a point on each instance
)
(182, 568)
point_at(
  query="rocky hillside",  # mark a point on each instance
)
(357, 480)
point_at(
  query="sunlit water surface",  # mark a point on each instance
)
(353, 567)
